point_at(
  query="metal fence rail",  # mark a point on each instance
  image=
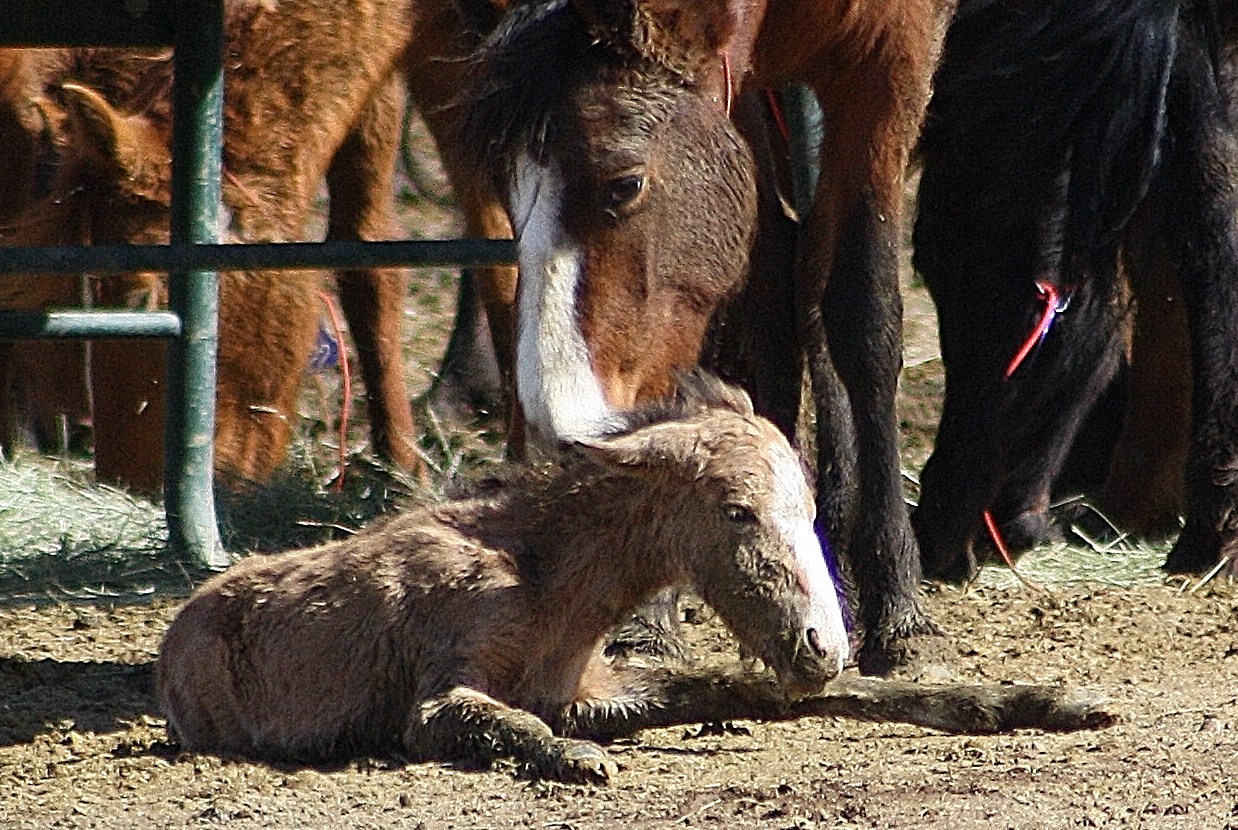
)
(194, 30)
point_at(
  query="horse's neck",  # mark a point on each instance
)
(595, 551)
(626, 532)
(589, 563)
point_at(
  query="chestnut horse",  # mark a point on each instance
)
(331, 108)
(607, 128)
(1126, 182)
(471, 629)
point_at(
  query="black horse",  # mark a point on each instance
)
(1079, 165)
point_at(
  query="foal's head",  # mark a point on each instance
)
(605, 127)
(744, 526)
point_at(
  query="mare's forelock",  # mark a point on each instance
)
(528, 66)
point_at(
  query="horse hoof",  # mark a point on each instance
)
(1195, 553)
(582, 762)
(921, 655)
(651, 636)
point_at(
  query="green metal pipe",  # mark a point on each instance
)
(90, 325)
(197, 141)
(119, 259)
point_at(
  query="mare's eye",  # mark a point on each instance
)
(740, 514)
(623, 191)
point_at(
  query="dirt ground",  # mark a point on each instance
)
(82, 743)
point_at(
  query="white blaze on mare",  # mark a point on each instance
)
(558, 390)
(794, 516)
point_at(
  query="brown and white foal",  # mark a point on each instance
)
(472, 629)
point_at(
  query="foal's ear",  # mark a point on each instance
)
(662, 450)
(681, 35)
(698, 387)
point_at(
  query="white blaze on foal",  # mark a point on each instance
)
(795, 516)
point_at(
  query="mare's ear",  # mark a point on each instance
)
(126, 147)
(662, 451)
(682, 35)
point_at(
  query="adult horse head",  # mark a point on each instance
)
(632, 196)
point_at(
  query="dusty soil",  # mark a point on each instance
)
(82, 743)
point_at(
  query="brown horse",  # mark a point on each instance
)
(331, 108)
(606, 126)
(470, 629)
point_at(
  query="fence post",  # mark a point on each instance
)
(197, 140)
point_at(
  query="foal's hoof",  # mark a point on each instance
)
(647, 636)
(578, 762)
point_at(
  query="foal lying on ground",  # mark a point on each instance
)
(472, 629)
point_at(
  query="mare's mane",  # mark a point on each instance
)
(1057, 111)
(523, 69)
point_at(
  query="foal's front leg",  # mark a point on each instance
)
(465, 724)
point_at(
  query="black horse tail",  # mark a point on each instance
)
(1045, 130)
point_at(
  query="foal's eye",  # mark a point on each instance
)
(740, 514)
(623, 191)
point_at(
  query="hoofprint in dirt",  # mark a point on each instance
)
(82, 744)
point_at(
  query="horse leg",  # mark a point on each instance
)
(464, 724)
(47, 384)
(485, 218)
(470, 366)
(852, 324)
(483, 371)
(753, 339)
(468, 384)
(1200, 213)
(362, 207)
(10, 428)
(1144, 487)
(128, 417)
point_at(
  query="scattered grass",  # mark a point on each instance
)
(65, 537)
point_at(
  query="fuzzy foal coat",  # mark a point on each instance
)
(454, 624)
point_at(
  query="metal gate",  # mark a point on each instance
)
(194, 30)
